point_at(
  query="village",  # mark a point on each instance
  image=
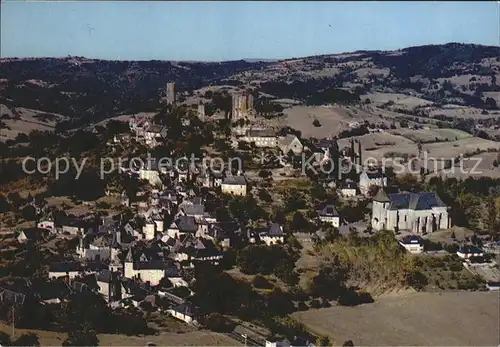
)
(146, 259)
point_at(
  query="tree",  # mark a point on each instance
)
(315, 303)
(217, 322)
(299, 222)
(4, 339)
(261, 282)
(15, 200)
(28, 213)
(491, 103)
(492, 215)
(264, 173)
(348, 343)
(83, 336)
(330, 281)
(29, 339)
(323, 341)
(331, 233)
(264, 195)
(4, 204)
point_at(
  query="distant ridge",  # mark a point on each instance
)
(256, 60)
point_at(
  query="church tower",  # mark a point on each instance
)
(380, 205)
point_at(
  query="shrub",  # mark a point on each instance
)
(315, 303)
(302, 306)
(261, 282)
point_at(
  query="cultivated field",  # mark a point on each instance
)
(400, 100)
(431, 135)
(460, 112)
(24, 120)
(191, 338)
(333, 119)
(456, 148)
(477, 165)
(420, 319)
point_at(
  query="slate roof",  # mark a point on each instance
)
(216, 174)
(287, 140)
(65, 267)
(34, 234)
(155, 128)
(323, 143)
(374, 173)
(103, 240)
(413, 201)
(328, 211)
(135, 288)
(186, 224)
(173, 243)
(470, 249)
(185, 308)
(223, 229)
(86, 283)
(150, 265)
(260, 133)
(348, 184)
(275, 230)
(235, 180)
(104, 276)
(194, 210)
(381, 196)
(74, 222)
(411, 240)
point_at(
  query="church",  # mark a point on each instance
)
(415, 212)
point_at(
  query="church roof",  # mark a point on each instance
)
(412, 201)
(381, 196)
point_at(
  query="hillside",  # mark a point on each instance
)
(89, 90)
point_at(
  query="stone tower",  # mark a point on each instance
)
(201, 111)
(242, 105)
(171, 93)
(380, 205)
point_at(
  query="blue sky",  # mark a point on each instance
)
(214, 31)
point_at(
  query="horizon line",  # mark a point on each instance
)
(242, 59)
